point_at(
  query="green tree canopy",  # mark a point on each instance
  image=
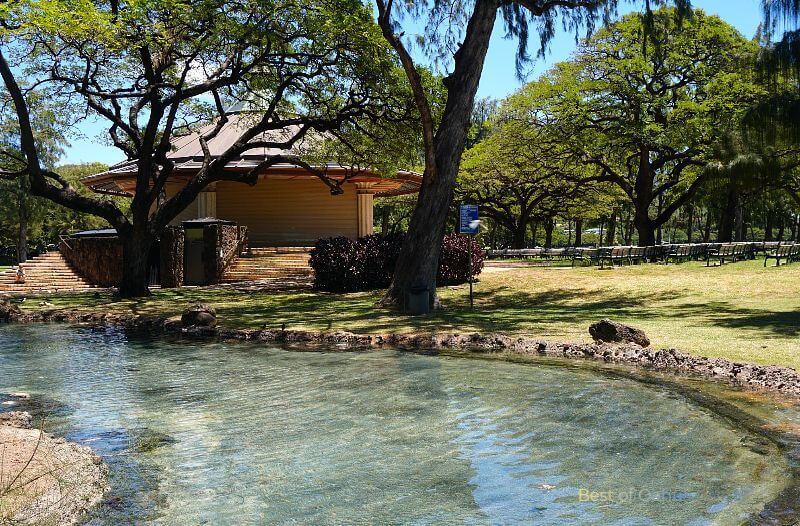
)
(519, 175)
(646, 116)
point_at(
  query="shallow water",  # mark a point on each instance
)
(206, 433)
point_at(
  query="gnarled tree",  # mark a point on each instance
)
(647, 117)
(151, 69)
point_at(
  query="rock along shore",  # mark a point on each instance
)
(46, 480)
(783, 380)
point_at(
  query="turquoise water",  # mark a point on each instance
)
(207, 433)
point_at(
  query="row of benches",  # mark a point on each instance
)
(720, 253)
(788, 253)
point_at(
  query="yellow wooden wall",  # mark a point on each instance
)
(288, 212)
(190, 212)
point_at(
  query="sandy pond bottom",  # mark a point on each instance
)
(246, 434)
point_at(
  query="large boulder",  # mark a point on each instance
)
(9, 311)
(612, 332)
(199, 315)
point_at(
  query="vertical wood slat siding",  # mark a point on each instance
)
(281, 212)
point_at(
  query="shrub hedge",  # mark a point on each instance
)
(343, 265)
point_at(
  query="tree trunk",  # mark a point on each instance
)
(611, 233)
(549, 225)
(135, 264)
(689, 222)
(419, 257)
(739, 223)
(768, 225)
(534, 231)
(569, 232)
(23, 216)
(385, 220)
(727, 221)
(660, 226)
(518, 235)
(600, 236)
(628, 228)
(707, 229)
(645, 229)
(641, 203)
(781, 228)
(578, 232)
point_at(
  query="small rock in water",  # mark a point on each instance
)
(146, 440)
(611, 332)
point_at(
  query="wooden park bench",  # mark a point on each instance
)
(613, 255)
(656, 253)
(726, 252)
(637, 255)
(583, 255)
(553, 253)
(527, 253)
(680, 253)
(789, 253)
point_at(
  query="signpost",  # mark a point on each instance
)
(469, 224)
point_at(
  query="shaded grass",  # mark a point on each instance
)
(741, 311)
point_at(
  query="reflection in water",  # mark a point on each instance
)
(245, 434)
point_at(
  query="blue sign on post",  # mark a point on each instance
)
(468, 219)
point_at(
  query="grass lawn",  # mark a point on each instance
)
(740, 311)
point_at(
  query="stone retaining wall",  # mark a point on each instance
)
(220, 242)
(97, 259)
(171, 246)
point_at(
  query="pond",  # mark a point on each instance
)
(213, 433)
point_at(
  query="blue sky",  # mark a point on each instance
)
(499, 77)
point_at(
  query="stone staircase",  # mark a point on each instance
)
(277, 267)
(48, 272)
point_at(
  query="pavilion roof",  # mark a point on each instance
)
(187, 154)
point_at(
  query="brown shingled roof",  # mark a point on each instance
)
(188, 156)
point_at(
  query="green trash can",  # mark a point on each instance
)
(418, 300)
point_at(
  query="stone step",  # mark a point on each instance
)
(280, 250)
(304, 259)
(33, 279)
(270, 264)
(47, 277)
(273, 282)
(48, 272)
(256, 277)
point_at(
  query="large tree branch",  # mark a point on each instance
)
(64, 194)
(415, 80)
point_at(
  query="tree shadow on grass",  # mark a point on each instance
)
(720, 314)
(501, 309)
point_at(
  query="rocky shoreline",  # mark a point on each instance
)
(777, 379)
(46, 480)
